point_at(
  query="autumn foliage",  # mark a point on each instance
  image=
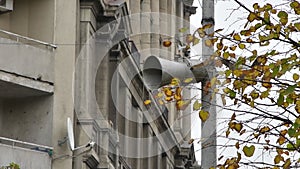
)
(258, 83)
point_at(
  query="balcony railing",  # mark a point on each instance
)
(26, 57)
(26, 40)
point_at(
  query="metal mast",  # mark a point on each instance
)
(208, 132)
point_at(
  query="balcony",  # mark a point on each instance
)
(26, 66)
(27, 155)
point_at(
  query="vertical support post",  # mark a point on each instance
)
(208, 128)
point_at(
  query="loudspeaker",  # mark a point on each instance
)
(158, 72)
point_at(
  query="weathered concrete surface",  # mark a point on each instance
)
(26, 60)
(14, 86)
(27, 119)
(24, 157)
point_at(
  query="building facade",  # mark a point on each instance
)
(83, 60)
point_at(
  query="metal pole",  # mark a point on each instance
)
(208, 128)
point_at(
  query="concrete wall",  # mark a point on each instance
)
(26, 60)
(65, 25)
(24, 158)
(27, 119)
(31, 18)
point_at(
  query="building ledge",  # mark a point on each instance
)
(13, 85)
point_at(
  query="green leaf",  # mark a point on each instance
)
(290, 146)
(264, 94)
(291, 132)
(295, 4)
(282, 14)
(290, 90)
(280, 100)
(275, 71)
(228, 72)
(232, 94)
(249, 151)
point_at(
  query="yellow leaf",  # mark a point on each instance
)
(189, 38)
(255, 135)
(287, 164)
(237, 145)
(232, 48)
(177, 97)
(168, 91)
(188, 80)
(213, 81)
(242, 46)
(196, 41)
(242, 132)
(175, 81)
(159, 95)
(237, 37)
(168, 99)
(264, 130)
(178, 91)
(161, 102)
(278, 158)
(227, 133)
(238, 127)
(208, 43)
(220, 46)
(179, 104)
(297, 25)
(147, 102)
(249, 151)
(267, 85)
(204, 115)
(252, 16)
(233, 117)
(283, 132)
(295, 76)
(232, 166)
(197, 105)
(281, 140)
(223, 99)
(182, 30)
(226, 55)
(284, 21)
(201, 32)
(255, 6)
(207, 26)
(167, 43)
